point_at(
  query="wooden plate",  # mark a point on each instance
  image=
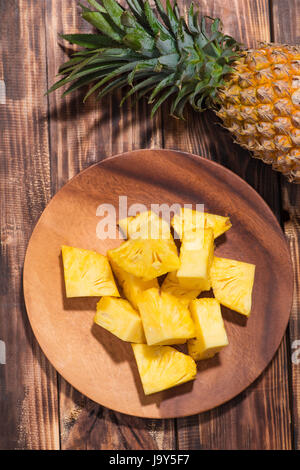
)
(100, 365)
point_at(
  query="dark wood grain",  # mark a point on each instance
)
(80, 135)
(286, 29)
(28, 398)
(86, 425)
(265, 406)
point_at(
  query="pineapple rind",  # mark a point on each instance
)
(147, 259)
(132, 286)
(211, 335)
(165, 319)
(87, 273)
(260, 106)
(162, 367)
(232, 283)
(117, 316)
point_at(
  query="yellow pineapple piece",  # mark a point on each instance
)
(146, 225)
(146, 258)
(118, 317)
(188, 219)
(162, 367)
(211, 336)
(165, 319)
(172, 286)
(131, 285)
(232, 283)
(87, 273)
(124, 225)
(196, 256)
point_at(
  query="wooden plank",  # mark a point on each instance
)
(80, 135)
(260, 417)
(286, 29)
(86, 425)
(28, 398)
(291, 197)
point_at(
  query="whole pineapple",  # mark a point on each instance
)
(160, 54)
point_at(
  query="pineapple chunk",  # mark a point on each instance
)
(232, 283)
(131, 285)
(118, 317)
(146, 258)
(165, 319)
(162, 367)
(147, 225)
(196, 256)
(188, 219)
(124, 225)
(172, 286)
(210, 331)
(87, 273)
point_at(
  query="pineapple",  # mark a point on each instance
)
(188, 219)
(196, 256)
(172, 286)
(232, 283)
(211, 336)
(118, 317)
(145, 225)
(146, 258)
(165, 319)
(131, 285)
(162, 54)
(87, 273)
(162, 367)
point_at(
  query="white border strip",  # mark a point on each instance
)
(2, 92)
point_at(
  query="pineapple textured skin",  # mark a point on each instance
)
(165, 319)
(232, 283)
(87, 273)
(162, 367)
(117, 316)
(260, 105)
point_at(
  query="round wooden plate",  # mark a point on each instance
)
(100, 365)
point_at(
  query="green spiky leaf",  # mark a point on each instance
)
(89, 41)
(155, 51)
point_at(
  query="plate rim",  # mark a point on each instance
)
(195, 158)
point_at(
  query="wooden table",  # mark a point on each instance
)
(44, 142)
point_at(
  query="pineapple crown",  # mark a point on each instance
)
(156, 51)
